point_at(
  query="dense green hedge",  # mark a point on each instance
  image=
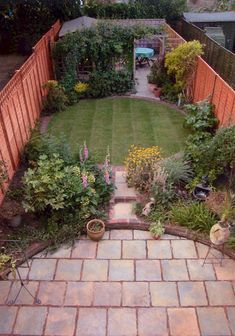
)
(22, 22)
(102, 47)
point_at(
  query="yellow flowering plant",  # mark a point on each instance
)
(81, 87)
(140, 165)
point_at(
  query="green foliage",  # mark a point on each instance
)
(66, 194)
(181, 62)
(215, 155)
(156, 229)
(170, 92)
(109, 82)
(47, 144)
(193, 215)
(167, 9)
(160, 213)
(158, 74)
(23, 22)
(56, 99)
(3, 173)
(200, 117)
(138, 208)
(164, 196)
(7, 260)
(100, 48)
(178, 171)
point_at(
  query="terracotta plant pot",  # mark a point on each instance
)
(156, 237)
(157, 92)
(95, 235)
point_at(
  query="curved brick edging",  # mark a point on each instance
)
(127, 225)
(169, 229)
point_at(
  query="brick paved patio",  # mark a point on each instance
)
(127, 284)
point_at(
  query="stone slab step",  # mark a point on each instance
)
(123, 210)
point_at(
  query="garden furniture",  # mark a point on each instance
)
(143, 55)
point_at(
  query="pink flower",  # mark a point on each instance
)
(80, 156)
(84, 181)
(85, 151)
(107, 177)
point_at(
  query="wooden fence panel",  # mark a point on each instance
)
(21, 103)
(208, 84)
(220, 59)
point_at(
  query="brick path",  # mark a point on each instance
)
(127, 284)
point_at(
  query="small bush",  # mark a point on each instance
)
(111, 82)
(66, 194)
(158, 73)
(213, 155)
(181, 62)
(170, 92)
(56, 99)
(49, 145)
(200, 117)
(140, 164)
(193, 215)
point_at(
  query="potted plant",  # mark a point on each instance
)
(157, 230)
(95, 229)
(157, 92)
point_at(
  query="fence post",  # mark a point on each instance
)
(24, 96)
(7, 140)
(39, 81)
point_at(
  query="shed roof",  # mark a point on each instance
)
(87, 22)
(76, 24)
(210, 16)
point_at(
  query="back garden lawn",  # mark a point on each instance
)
(118, 123)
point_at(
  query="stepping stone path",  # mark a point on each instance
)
(122, 203)
(125, 285)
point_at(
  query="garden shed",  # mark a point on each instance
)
(77, 24)
(225, 20)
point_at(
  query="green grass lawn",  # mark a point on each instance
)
(118, 123)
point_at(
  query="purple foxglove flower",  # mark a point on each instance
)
(80, 156)
(85, 152)
(84, 181)
(107, 177)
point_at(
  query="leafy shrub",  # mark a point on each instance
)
(49, 145)
(63, 193)
(56, 99)
(158, 73)
(140, 164)
(164, 196)
(181, 62)
(193, 215)
(200, 117)
(111, 82)
(170, 92)
(215, 155)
